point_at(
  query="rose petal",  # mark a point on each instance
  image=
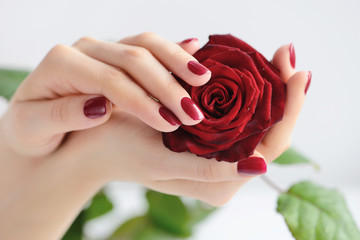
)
(230, 41)
(244, 98)
(278, 86)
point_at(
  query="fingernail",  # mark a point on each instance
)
(169, 116)
(252, 166)
(292, 55)
(95, 107)
(191, 108)
(308, 82)
(189, 40)
(197, 68)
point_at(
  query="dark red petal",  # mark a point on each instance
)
(278, 87)
(208, 51)
(230, 41)
(237, 152)
(241, 149)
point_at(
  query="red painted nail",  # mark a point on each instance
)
(308, 82)
(292, 55)
(197, 68)
(95, 107)
(252, 166)
(191, 108)
(169, 116)
(189, 40)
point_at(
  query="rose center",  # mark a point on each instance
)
(218, 97)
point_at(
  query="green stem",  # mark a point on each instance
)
(272, 184)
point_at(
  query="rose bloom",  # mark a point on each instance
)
(243, 99)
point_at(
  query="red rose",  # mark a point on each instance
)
(243, 99)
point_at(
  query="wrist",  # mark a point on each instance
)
(13, 167)
(51, 195)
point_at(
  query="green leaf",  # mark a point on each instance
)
(169, 212)
(100, 205)
(291, 156)
(75, 231)
(10, 80)
(316, 213)
(141, 228)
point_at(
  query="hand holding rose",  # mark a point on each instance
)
(182, 173)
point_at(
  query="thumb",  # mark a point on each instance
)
(45, 119)
(284, 60)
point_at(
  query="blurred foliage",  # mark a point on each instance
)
(100, 205)
(141, 228)
(75, 232)
(168, 217)
(169, 212)
(291, 156)
(10, 79)
(309, 210)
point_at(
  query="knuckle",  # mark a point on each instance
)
(136, 53)
(177, 52)
(59, 111)
(145, 36)
(59, 51)
(109, 79)
(109, 75)
(82, 40)
(208, 172)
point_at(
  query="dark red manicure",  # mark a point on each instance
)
(252, 166)
(189, 40)
(191, 108)
(308, 82)
(95, 107)
(197, 68)
(169, 116)
(292, 55)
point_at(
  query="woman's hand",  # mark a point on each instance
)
(54, 99)
(126, 149)
(65, 91)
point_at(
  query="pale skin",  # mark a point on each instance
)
(46, 179)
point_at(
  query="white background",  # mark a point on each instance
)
(326, 36)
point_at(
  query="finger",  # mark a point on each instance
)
(43, 123)
(148, 73)
(190, 45)
(216, 194)
(284, 60)
(178, 61)
(170, 165)
(82, 74)
(64, 114)
(277, 139)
